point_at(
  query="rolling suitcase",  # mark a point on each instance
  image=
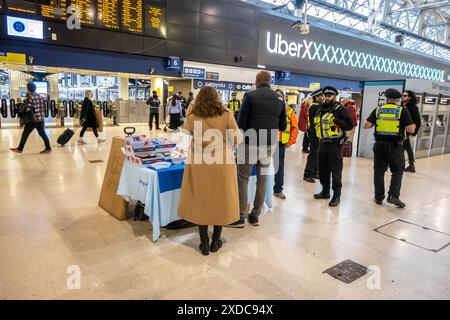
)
(65, 136)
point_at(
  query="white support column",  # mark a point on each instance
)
(157, 84)
(123, 88)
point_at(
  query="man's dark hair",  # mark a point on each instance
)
(191, 94)
(154, 92)
(31, 87)
(412, 95)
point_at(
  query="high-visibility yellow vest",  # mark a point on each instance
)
(234, 105)
(388, 121)
(286, 134)
(326, 127)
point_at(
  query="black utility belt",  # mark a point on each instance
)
(399, 142)
(332, 141)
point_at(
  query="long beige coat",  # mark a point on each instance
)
(209, 193)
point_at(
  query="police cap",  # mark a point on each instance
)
(330, 90)
(316, 93)
(392, 94)
(234, 94)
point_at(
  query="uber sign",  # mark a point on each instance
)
(280, 46)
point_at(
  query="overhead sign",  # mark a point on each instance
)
(25, 28)
(173, 63)
(283, 75)
(314, 85)
(322, 51)
(224, 85)
(191, 72)
(373, 97)
(9, 57)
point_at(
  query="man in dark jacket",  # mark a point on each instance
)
(409, 102)
(261, 116)
(154, 104)
(33, 106)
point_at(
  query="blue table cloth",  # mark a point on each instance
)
(160, 191)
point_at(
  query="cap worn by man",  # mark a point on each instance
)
(330, 90)
(316, 93)
(392, 94)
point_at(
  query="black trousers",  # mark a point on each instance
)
(388, 154)
(40, 127)
(305, 144)
(407, 146)
(83, 130)
(203, 232)
(154, 116)
(331, 163)
(279, 175)
(312, 163)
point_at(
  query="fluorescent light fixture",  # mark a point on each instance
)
(25, 28)
(261, 66)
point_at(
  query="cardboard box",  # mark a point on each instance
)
(109, 200)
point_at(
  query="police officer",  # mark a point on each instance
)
(312, 168)
(234, 104)
(391, 122)
(331, 122)
(154, 104)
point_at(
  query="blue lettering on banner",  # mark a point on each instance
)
(196, 73)
(143, 183)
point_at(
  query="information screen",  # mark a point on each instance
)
(56, 10)
(132, 15)
(41, 88)
(108, 14)
(155, 20)
(86, 9)
(21, 6)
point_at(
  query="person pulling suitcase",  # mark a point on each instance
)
(88, 118)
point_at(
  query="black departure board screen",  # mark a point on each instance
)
(1, 5)
(108, 14)
(132, 15)
(86, 10)
(155, 20)
(21, 6)
(56, 10)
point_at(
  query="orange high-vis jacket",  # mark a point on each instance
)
(292, 126)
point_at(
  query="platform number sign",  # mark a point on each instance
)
(173, 63)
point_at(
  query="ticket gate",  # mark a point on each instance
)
(440, 131)
(427, 109)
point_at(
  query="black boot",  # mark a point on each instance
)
(322, 195)
(216, 243)
(204, 245)
(335, 200)
(396, 201)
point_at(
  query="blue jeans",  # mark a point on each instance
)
(279, 176)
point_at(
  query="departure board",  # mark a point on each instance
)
(56, 10)
(132, 15)
(108, 14)
(155, 21)
(21, 6)
(86, 9)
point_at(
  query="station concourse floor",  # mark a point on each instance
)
(50, 220)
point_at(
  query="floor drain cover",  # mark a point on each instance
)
(95, 161)
(347, 271)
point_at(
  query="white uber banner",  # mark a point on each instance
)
(373, 96)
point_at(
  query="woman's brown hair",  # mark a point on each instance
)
(207, 103)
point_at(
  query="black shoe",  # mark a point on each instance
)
(377, 201)
(411, 168)
(322, 195)
(309, 179)
(158, 128)
(215, 245)
(317, 177)
(238, 224)
(335, 201)
(396, 201)
(46, 151)
(204, 247)
(253, 219)
(280, 195)
(305, 151)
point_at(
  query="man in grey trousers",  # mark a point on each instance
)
(261, 116)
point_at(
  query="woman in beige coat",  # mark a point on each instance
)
(209, 193)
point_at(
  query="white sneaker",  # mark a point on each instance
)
(81, 141)
(100, 140)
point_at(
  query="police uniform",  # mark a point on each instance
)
(234, 105)
(331, 122)
(312, 167)
(390, 121)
